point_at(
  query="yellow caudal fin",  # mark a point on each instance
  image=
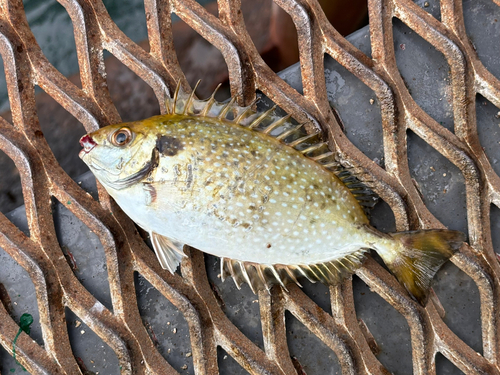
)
(421, 256)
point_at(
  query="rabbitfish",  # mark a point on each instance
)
(255, 190)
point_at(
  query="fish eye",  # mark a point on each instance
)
(121, 137)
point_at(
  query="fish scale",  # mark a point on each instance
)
(286, 206)
(274, 208)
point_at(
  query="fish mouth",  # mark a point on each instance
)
(88, 144)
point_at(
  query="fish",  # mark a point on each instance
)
(257, 190)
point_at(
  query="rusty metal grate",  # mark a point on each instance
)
(122, 329)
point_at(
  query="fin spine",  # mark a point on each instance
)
(277, 276)
(261, 118)
(322, 156)
(302, 140)
(246, 277)
(277, 123)
(176, 95)
(289, 132)
(226, 109)
(209, 102)
(262, 276)
(292, 277)
(312, 148)
(247, 109)
(190, 98)
(333, 164)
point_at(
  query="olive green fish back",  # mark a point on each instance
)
(282, 128)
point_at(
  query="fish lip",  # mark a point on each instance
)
(88, 145)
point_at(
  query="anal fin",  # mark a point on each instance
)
(168, 252)
(264, 276)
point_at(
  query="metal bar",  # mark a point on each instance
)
(122, 327)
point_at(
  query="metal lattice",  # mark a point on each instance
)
(122, 329)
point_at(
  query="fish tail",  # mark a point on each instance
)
(419, 258)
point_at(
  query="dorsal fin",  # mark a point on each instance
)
(282, 128)
(264, 276)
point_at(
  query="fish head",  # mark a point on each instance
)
(119, 155)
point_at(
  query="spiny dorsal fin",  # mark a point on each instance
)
(264, 276)
(268, 122)
(279, 127)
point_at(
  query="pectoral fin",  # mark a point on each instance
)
(168, 252)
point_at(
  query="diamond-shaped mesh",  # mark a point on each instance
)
(56, 287)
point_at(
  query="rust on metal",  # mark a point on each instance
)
(192, 294)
